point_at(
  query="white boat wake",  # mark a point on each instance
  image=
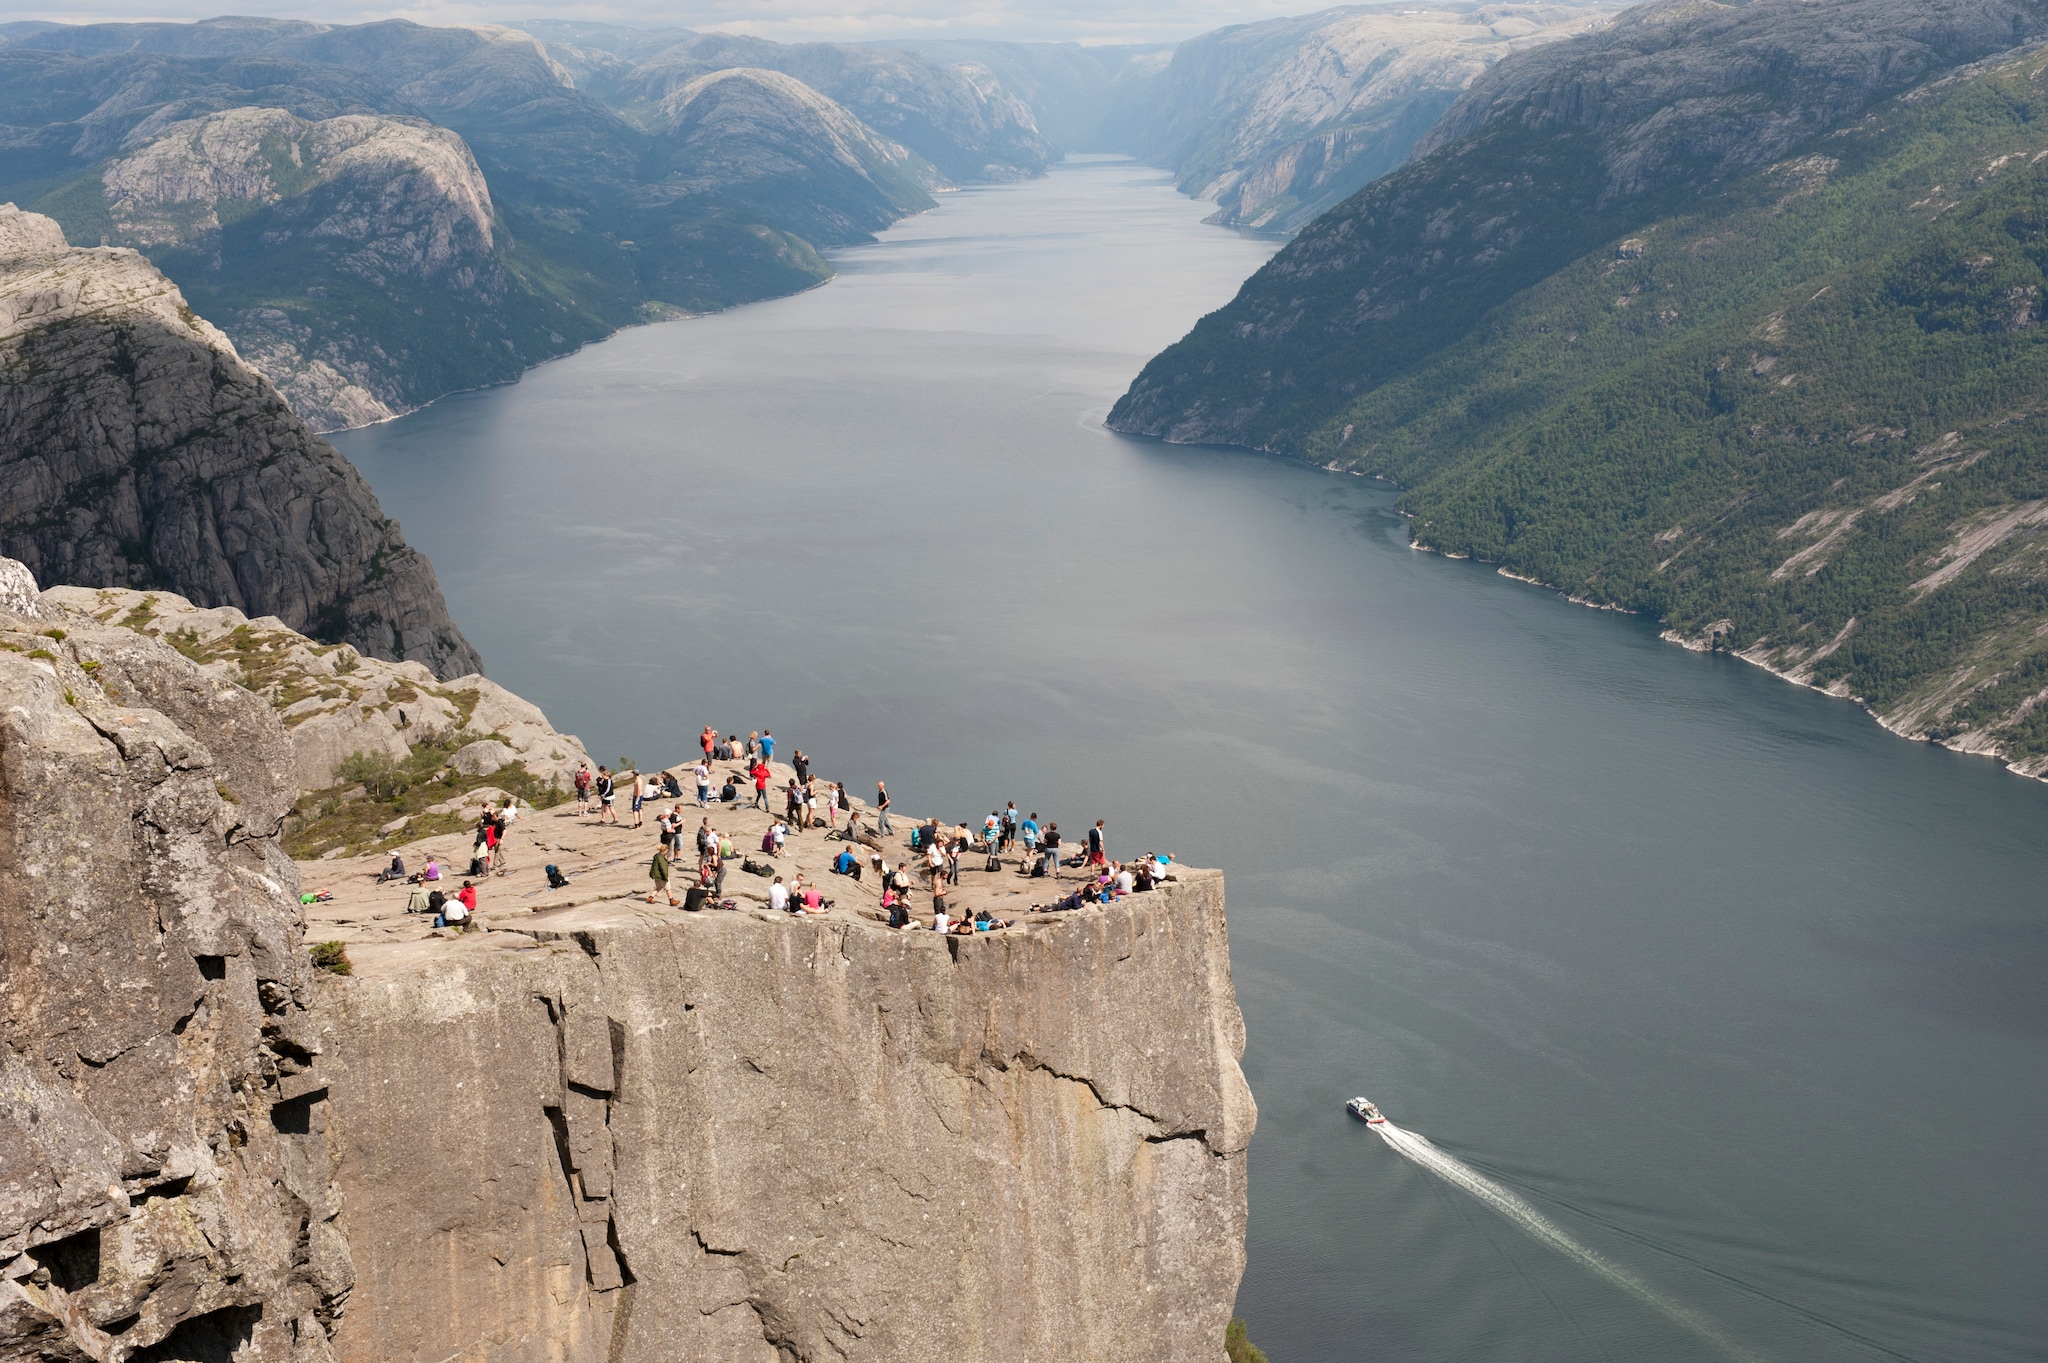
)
(1531, 1221)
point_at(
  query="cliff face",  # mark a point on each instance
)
(744, 1136)
(163, 1170)
(590, 1133)
(1277, 121)
(136, 449)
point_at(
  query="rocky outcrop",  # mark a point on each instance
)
(1274, 122)
(334, 701)
(586, 1136)
(744, 1136)
(137, 449)
(164, 1173)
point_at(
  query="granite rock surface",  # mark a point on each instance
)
(138, 450)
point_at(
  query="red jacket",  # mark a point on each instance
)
(760, 773)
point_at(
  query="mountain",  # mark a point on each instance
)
(1275, 122)
(957, 116)
(1069, 89)
(382, 213)
(1730, 316)
(138, 450)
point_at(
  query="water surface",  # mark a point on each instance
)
(1734, 990)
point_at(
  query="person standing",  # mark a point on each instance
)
(1028, 831)
(1098, 847)
(882, 809)
(703, 774)
(1011, 818)
(767, 745)
(1052, 848)
(607, 794)
(658, 872)
(640, 784)
(582, 781)
(760, 773)
(708, 740)
(753, 744)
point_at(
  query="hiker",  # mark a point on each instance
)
(899, 914)
(670, 787)
(1098, 848)
(395, 871)
(1125, 881)
(729, 793)
(767, 745)
(657, 871)
(709, 740)
(778, 896)
(1011, 818)
(607, 792)
(882, 810)
(640, 784)
(846, 864)
(419, 900)
(759, 771)
(1052, 848)
(583, 783)
(1028, 831)
(801, 763)
(703, 775)
(429, 873)
(939, 920)
(728, 750)
(753, 743)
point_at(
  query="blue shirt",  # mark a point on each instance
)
(767, 748)
(1030, 831)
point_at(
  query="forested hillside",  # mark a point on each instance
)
(1754, 346)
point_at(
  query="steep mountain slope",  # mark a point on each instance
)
(382, 213)
(1749, 342)
(1276, 121)
(957, 116)
(1069, 89)
(137, 450)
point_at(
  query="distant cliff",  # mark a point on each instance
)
(138, 450)
(587, 1135)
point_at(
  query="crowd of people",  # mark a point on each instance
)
(698, 859)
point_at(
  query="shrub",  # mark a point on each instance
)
(333, 958)
(377, 774)
(1237, 1348)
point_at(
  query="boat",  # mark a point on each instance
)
(1363, 1109)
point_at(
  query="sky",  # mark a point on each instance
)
(1088, 21)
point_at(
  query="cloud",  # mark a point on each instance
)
(1088, 21)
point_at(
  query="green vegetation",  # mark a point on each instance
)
(1800, 412)
(1237, 1347)
(332, 957)
(372, 790)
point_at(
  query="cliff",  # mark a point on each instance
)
(137, 449)
(1275, 122)
(164, 1177)
(600, 1130)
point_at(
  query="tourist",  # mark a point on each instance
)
(778, 834)
(1011, 818)
(1098, 846)
(1125, 881)
(767, 745)
(882, 810)
(731, 748)
(709, 740)
(753, 743)
(658, 872)
(899, 913)
(729, 793)
(1052, 849)
(1027, 831)
(801, 764)
(703, 775)
(939, 919)
(607, 793)
(395, 871)
(792, 805)
(759, 771)
(778, 896)
(639, 794)
(431, 872)
(846, 863)
(582, 782)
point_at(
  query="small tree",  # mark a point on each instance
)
(1237, 1347)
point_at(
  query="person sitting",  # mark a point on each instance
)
(778, 834)
(778, 896)
(846, 864)
(556, 880)
(1125, 881)
(395, 871)
(427, 874)
(728, 793)
(416, 902)
(1142, 881)
(670, 786)
(812, 901)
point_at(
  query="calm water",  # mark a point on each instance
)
(1738, 992)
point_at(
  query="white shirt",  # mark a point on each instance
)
(510, 811)
(778, 895)
(703, 775)
(940, 922)
(1124, 881)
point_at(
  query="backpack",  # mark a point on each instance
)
(1038, 868)
(435, 901)
(556, 880)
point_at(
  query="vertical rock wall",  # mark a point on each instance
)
(749, 1137)
(163, 1170)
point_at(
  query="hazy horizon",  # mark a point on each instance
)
(1104, 21)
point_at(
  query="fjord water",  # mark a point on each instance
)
(1723, 984)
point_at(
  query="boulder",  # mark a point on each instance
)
(482, 757)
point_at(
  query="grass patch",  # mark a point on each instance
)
(332, 957)
(371, 790)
